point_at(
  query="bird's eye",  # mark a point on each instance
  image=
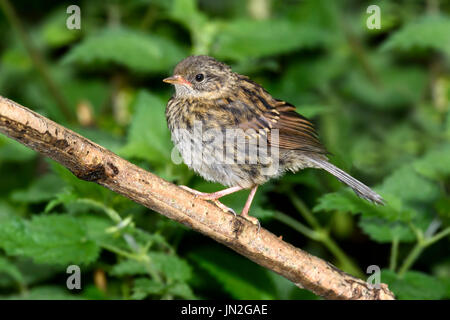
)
(199, 77)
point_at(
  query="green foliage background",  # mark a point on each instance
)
(380, 100)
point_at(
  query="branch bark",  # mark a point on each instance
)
(91, 162)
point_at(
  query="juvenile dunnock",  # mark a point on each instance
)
(210, 101)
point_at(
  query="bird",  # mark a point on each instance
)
(268, 136)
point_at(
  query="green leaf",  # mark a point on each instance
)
(137, 51)
(181, 289)
(11, 150)
(53, 34)
(383, 231)
(45, 293)
(173, 267)
(242, 39)
(58, 239)
(347, 201)
(414, 285)
(43, 189)
(128, 268)
(11, 270)
(144, 287)
(401, 87)
(430, 32)
(409, 186)
(148, 136)
(435, 164)
(241, 278)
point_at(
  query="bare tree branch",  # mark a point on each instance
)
(91, 162)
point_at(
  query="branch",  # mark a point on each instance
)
(91, 162)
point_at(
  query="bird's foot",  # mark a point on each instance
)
(214, 197)
(253, 220)
(224, 207)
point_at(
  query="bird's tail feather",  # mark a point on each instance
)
(358, 187)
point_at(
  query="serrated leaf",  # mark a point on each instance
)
(148, 136)
(173, 267)
(241, 278)
(45, 293)
(181, 289)
(401, 87)
(128, 268)
(143, 287)
(11, 150)
(241, 39)
(137, 51)
(53, 34)
(11, 270)
(435, 164)
(430, 32)
(43, 189)
(58, 239)
(383, 231)
(409, 186)
(414, 285)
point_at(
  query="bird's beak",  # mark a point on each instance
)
(177, 79)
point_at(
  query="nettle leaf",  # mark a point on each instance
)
(241, 39)
(11, 270)
(187, 13)
(414, 285)
(137, 51)
(241, 278)
(40, 190)
(430, 32)
(143, 287)
(148, 136)
(181, 289)
(384, 231)
(346, 201)
(45, 293)
(173, 267)
(409, 186)
(11, 150)
(57, 239)
(435, 164)
(402, 87)
(52, 33)
(128, 268)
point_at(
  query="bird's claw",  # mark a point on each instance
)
(224, 207)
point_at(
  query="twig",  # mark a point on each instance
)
(91, 162)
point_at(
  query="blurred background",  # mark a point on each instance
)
(379, 98)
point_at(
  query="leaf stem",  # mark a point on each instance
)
(296, 225)
(394, 254)
(320, 234)
(422, 244)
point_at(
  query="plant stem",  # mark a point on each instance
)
(411, 258)
(138, 257)
(37, 59)
(422, 244)
(437, 236)
(320, 234)
(296, 225)
(304, 211)
(394, 254)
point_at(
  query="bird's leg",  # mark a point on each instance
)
(248, 203)
(215, 196)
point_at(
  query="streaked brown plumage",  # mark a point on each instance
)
(209, 95)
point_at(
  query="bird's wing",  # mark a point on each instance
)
(264, 114)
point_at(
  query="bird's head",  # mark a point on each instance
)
(201, 76)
